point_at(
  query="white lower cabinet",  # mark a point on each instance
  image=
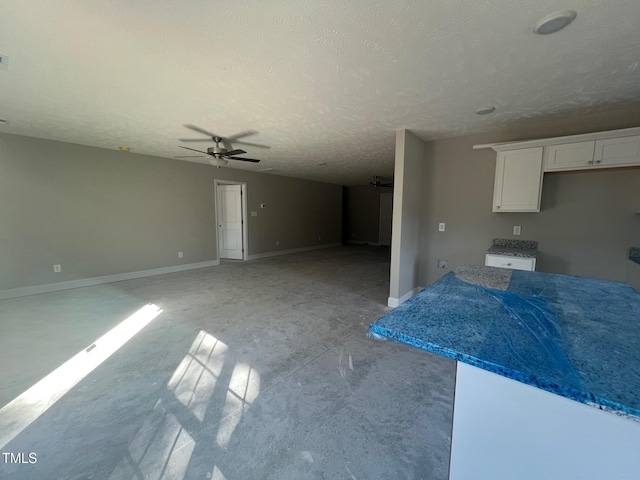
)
(514, 263)
(507, 430)
(518, 182)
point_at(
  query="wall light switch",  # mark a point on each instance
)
(254, 214)
(277, 243)
(517, 230)
(57, 268)
(441, 227)
(442, 264)
(180, 254)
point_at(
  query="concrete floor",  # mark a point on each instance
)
(253, 370)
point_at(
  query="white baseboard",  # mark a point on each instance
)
(87, 282)
(256, 256)
(394, 302)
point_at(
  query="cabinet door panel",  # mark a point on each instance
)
(569, 156)
(518, 183)
(618, 151)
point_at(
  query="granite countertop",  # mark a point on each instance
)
(513, 248)
(634, 254)
(551, 331)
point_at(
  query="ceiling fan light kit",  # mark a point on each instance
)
(218, 162)
(220, 156)
(376, 183)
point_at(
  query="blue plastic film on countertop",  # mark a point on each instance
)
(573, 336)
(528, 338)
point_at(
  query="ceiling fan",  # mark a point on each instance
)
(376, 183)
(220, 155)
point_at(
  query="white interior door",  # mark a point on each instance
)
(386, 218)
(230, 221)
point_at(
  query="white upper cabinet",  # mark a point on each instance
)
(520, 165)
(518, 183)
(569, 156)
(617, 151)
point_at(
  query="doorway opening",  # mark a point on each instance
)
(231, 219)
(386, 219)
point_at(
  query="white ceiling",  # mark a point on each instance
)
(322, 81)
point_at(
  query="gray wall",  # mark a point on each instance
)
(361, 214)
(407, 207)
(586, 225)
(100, 212)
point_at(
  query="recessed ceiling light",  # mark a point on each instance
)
(4, 62)
(485, 110)
(322, 163)
(554, 22)
(3, 121)
(124, 149)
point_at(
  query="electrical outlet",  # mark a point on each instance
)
(254, 214)
(180, 254)
(517, 230)
(57, 268)
(442, 264)
(441, 227)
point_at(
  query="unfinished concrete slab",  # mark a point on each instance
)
(257, 369)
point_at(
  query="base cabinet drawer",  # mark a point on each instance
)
(515, 263)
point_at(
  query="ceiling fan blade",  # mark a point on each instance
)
(251, 144)
(232, 152)
(193, 149)
(195, 140)
(243, 159)
(190, 156)
(200, 130)
(241, 135)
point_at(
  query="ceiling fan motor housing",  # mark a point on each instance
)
(216, 150)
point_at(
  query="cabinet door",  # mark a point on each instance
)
(569, 156)
(518, 183)
(617, 151)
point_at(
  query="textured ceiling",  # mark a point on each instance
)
(321, 81)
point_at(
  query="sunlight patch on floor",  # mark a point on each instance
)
(161, 449)
(244, 388)
(26, 408)
(163, 446)
(195, 379)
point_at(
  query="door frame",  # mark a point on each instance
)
(245, 217)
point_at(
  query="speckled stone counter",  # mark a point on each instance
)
(634, 254)
(513, 248)
(573, 336)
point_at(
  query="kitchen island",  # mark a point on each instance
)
(548, 382)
